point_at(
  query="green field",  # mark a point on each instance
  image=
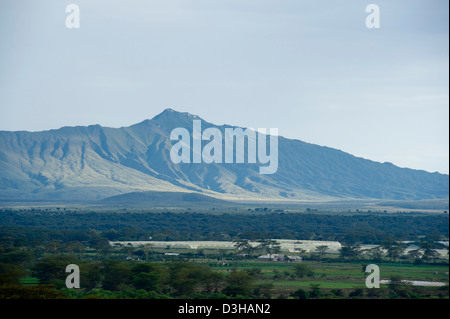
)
(340, 275)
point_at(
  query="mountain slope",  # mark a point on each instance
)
(94, 162)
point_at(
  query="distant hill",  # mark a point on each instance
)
(95, 162)
(162, 198)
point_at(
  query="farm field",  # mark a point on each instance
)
(343, 275)
(329, 278)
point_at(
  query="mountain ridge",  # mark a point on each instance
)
(59, 163)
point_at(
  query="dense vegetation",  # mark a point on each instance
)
(36, 246)
(365, 228)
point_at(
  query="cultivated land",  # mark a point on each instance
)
(190, 253)
(331, 277)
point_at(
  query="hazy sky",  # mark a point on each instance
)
(309, 68)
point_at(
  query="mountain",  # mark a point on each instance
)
(95, 162)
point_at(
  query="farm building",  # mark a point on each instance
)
(294, 258)
(272, 257)
(290, 245)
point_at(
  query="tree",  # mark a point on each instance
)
(238, 283)
(243, 246)
(90, 275)
(376, 253)
(74, 247)
(394, 249)
(302, 270)
(100, 244)
(270, 246)
(147, 248)
(414, 254)
(146, 276)
(350, 251)
(298, 249)
(9, 274)
(213, 281)
(117, 274)
(430, 254)
(185, 277)
(322, 250)
(53, 247)
(428, 251)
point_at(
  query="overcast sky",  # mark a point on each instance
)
(312, 69)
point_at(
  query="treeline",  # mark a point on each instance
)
(362, 228)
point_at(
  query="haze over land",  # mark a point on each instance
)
(94, 162)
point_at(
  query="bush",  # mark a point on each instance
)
(300, 294)
(358, 292)
(337, 292)
(315, 291)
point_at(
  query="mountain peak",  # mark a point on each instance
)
(173, 113)
(170, 117)
(167, 111)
